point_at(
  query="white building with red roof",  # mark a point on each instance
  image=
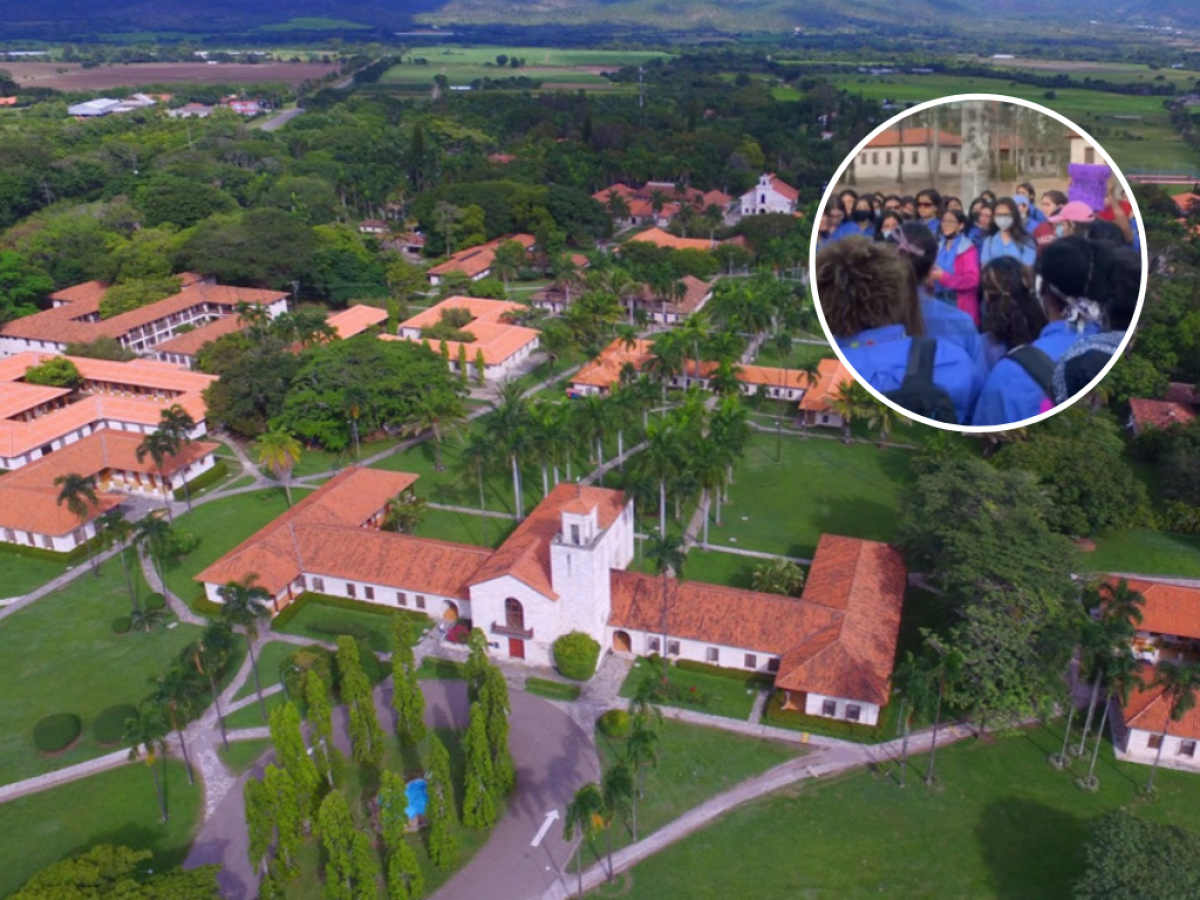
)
(504, 348)
(771, 195)
(563, 570)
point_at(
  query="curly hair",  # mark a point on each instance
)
(1109, 274)
(1012, 315)
(862, 284)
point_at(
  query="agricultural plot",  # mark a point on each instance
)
(72, 78)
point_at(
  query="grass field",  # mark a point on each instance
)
(1144, 552)
(534, 56)
(61, 656)
(1004, 826)
(695, 764)
(241, 755)
(323, 621)
(729, 697)
(270, 658)
(116, 807)
(22, 573)
(831, 487)
(447, 525)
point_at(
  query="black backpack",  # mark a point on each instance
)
(917, 392)
(1081, 369)
(1038, 366)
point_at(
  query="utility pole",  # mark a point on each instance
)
(935, 164)
(975, 157)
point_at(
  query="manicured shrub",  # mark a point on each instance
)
(155, 601)
(109, 727)
(458, 633)
(743, 675)
(297, 664)
(614, 723)
(552, 690)
(121, 625)
(56, 732)
(376, 669)
(204, 479)
(575, 656)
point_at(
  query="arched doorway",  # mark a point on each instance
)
(450, 612)
(621, 642)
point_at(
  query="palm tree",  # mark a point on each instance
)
(661, 459)
(210, 654)
(114, 530)
(667, 554)
(584, 814)
(880, 414)
(178, 424)
(658, 199)
(944, 670)
(849, 401)
(153, 536)
(724, 381)
(145, 732)
(508, 427)
(246, 605)
(564, 274)
(442, 414)
(811, 370)
(78, 494)
(707, 464)
(555, 342)
(779, 576)
(593, 415)
(729, 428)
(279, 451)
(667, 359)
(1122, 674)
(913, 680)
(1120, 610)
(405, 513)
(713, 217)
(1179, 682)
(508, 261)
(159, 445)
(175, 694)
(478, 453)
(641, 751)
(617, 206)
(616, 789)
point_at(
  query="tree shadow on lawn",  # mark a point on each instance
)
(855, 517)
(1031, 850)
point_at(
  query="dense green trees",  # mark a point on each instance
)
(1128, 856)
(106, 872)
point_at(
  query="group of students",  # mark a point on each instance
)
(983, 320)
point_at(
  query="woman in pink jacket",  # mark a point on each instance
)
(958, 265)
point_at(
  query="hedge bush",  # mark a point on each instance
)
(614, 723)
(155, 601)
(374, 667)
(109, 727)
(75, 553)
(745, 676)
(575, 656)
(552, 690)
(297, 664)
(121, 625)
(57, 732)
(204, 479)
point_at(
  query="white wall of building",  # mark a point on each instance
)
(883, 163)
(763, 198)
(644, 643)
(814, 705)
(62, 543)
(1178, 752)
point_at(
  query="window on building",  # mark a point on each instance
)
(875, 158)
(712, 655)
(773, 664)
(862, 159)
(350, 590)
(829, 708)
(954, 157)
(319, 584)
(298, 584)
(853, 711)
(751, 661)
(47, 542)
(1187, 748)
(672, 648)
(888, 157)
(1089, 155)
(514, 614)
(401, 598)
(77, 537)
(1155, 741)
(420, 601)
(575, 534)
(10, 535)
(916, 156)
(653, 645)
(369, 592)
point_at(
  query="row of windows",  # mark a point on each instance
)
(712, 654)
(318, 585)
(1186, 748)
(853, 710)
(916, 157)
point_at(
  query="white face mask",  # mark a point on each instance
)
(1004, 223)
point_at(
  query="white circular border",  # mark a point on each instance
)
(1009, 426)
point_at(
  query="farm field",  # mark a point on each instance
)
(71, 77)
(537, 56)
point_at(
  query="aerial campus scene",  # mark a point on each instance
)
(599, 449)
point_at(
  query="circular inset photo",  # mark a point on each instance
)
(979, 263)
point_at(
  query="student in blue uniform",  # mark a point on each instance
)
(953, 203)
(1008, 237)
(868, 296)
(846, 200)
(860, 224)
(1012, 315)
(1034, 215)
(943, 319)
(981, 224)
(929, 209)
(824, 230)
(1013, 392)
(889, 223)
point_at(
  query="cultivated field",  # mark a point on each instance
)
(71, 77)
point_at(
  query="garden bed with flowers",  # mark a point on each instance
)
(699, 691)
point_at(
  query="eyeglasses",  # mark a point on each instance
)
(923, 203)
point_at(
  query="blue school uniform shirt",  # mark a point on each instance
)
(976, 236)
(1010, 394)
(1034, 218)
(851, 229)
(994, 247)
(880, 356)
(947, 322)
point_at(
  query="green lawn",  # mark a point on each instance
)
(249, 716)
(534, 56)
(801, 353)
(462, 528)
(241, 755)
(819, 487)
(221, 526)
(1144, 552)
(270, 658)
(315, 460)
(324, 621)
(23, 574)
(1005, 826)
(695, 763)
(61, 656)
(728, 697)
(713, 567)
(434, 669)
(116, 807)
(459, 73)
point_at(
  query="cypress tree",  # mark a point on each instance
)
(337, 836)
(326, 756)
(404, 879)
(407, 699)
(479, 366)
(439, 811)
(462, 364)
(293, 756)
(365, 733)
(286, 812)
(493, 696)
(479, 801)
(259, 822)
(477, 662)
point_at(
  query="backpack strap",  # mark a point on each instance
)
(919, 372)
(1037, 365)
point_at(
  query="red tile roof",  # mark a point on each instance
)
(525, 555)
(495, 337)
(356, 320)
(660, 238)
(605, 370)
(1185, 202)
(1183, 393)
(1148, 710)
(831, 375)
(36, 509)
(474, 260)
(783, 188)
(189, 343)
(697, 293)
(1168, 608)
(914, 137)
(1160, 413)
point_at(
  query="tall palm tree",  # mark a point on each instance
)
(593, 416)
(1179, 682)
(177, 423)
(405, 513)
(584, 814)
(1119, 610)
(849, 402)
(279, 451)
(944, 669)
(616, 790)
(661, 458)
(810, 368)
(617, 206)
(879, 414)
(209, 655)
(145, 733)
(477, 454)
(914, 681)
(707, 463)
(246, 606)
(78, 494)
(159, 445)
(713, 217)
(175, 694)
(443, 415)
(667, 554)
(641, 752)
(508, 261)
(114, 530)
(1122, 674)
(153, 535)
(508, 426)
(564, 274)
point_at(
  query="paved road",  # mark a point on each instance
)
(277, 122)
